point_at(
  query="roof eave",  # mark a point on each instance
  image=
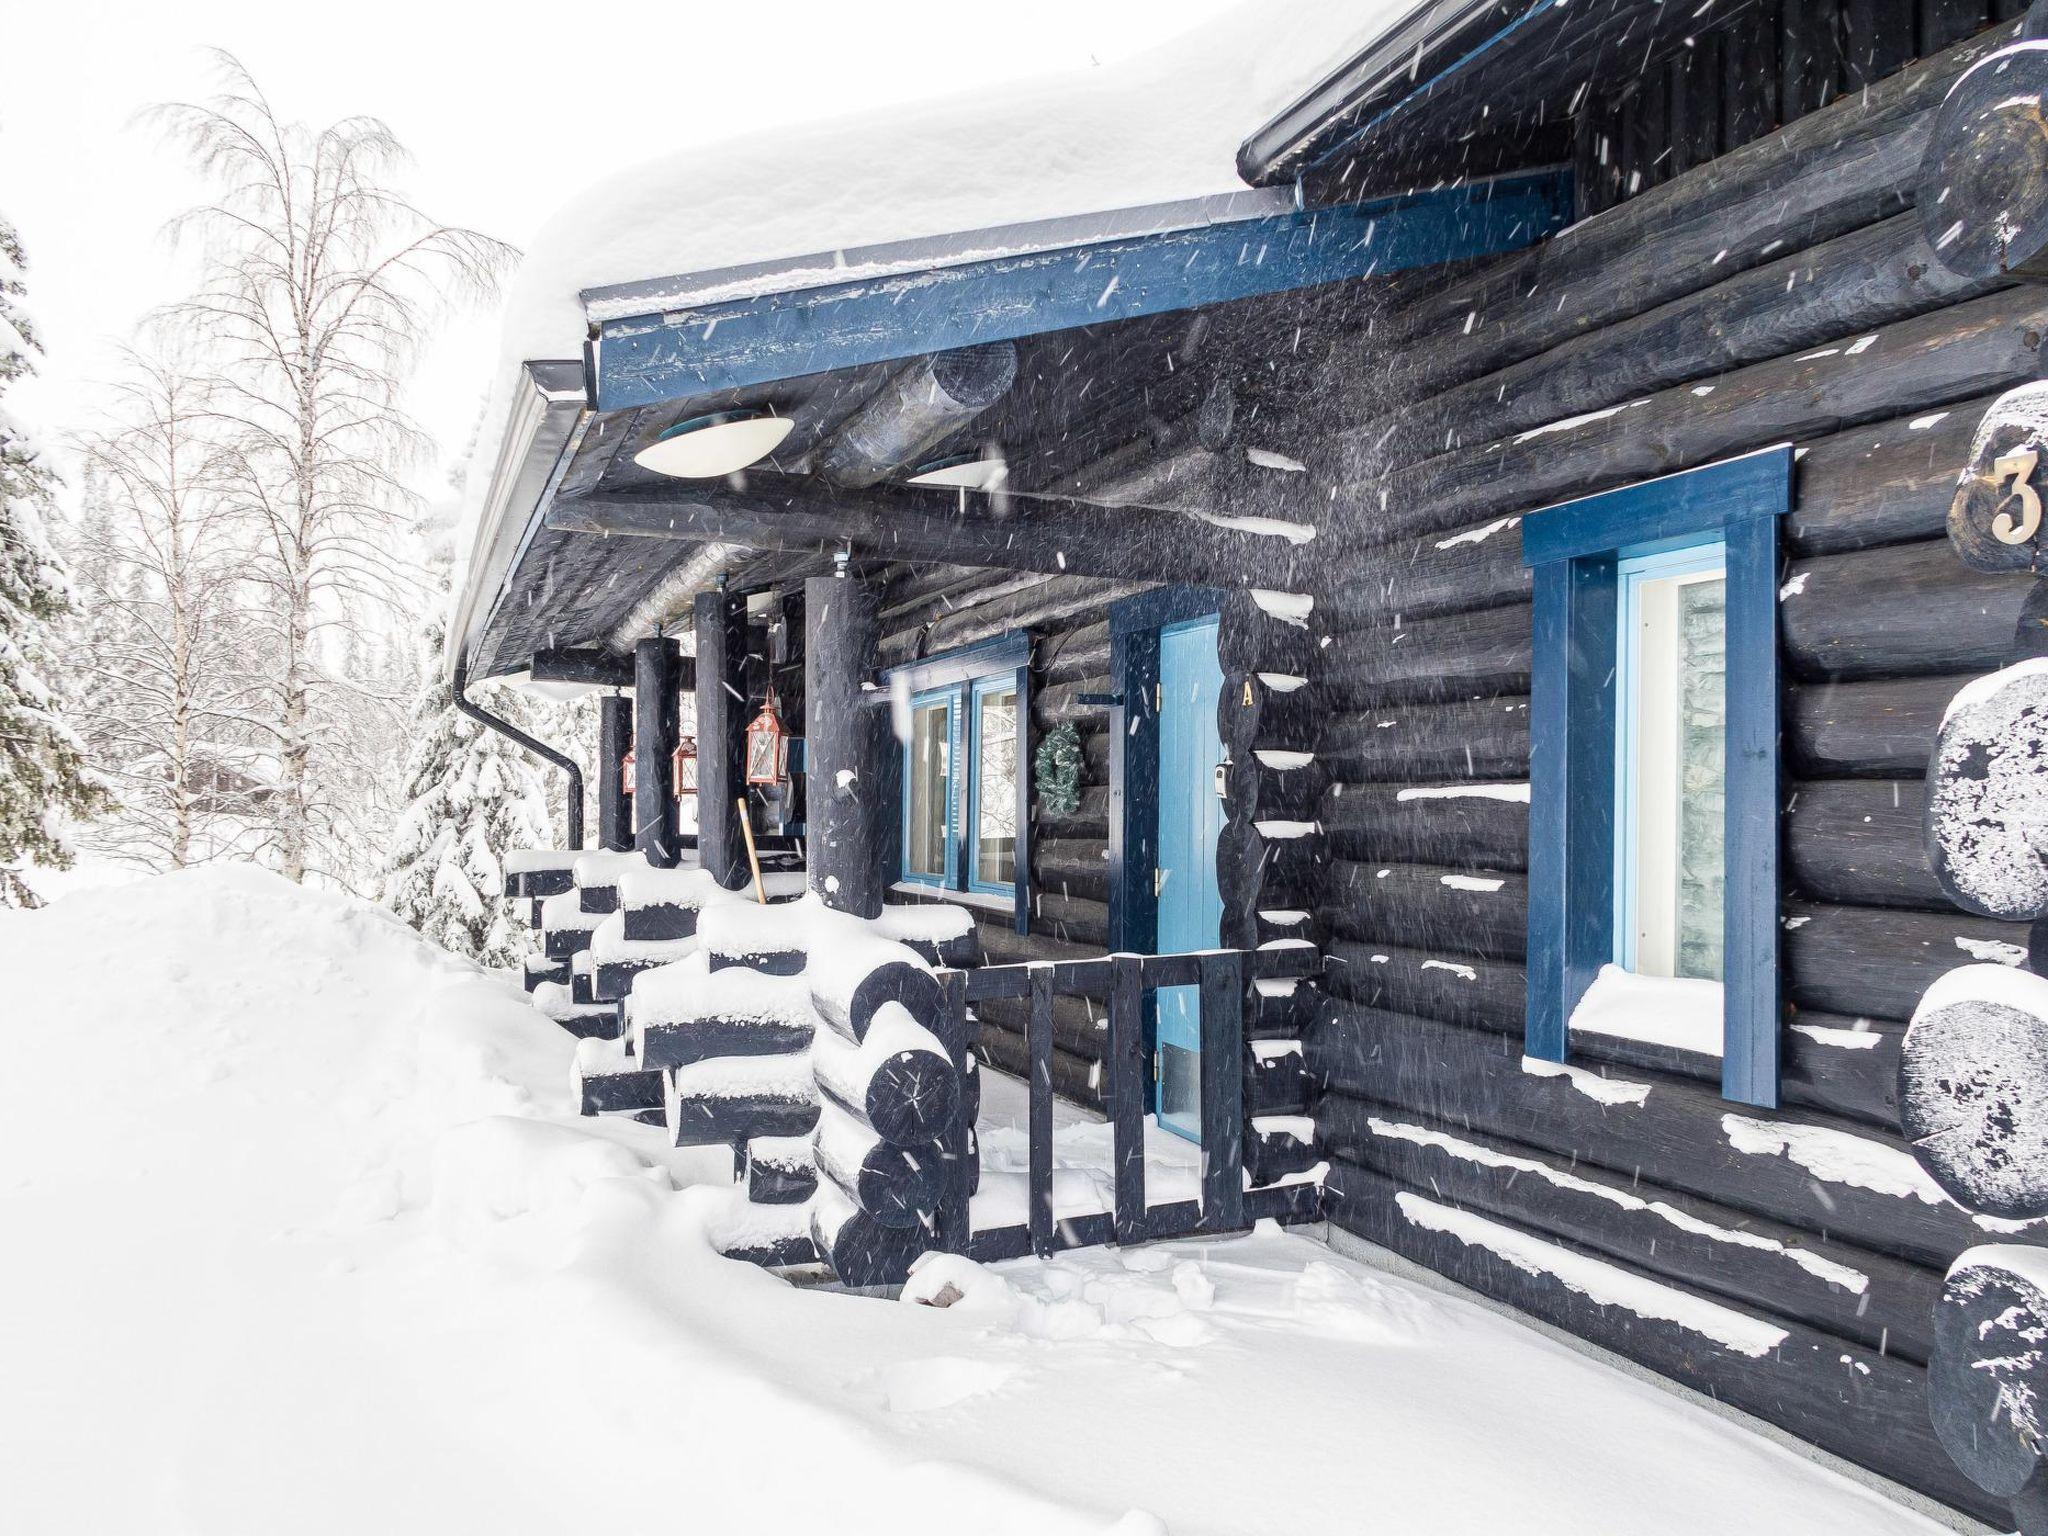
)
(548, 412)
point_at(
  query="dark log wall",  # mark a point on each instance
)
(1792, 300)
(1768, 64)
(928, 611)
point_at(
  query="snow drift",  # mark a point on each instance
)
(302, 1234)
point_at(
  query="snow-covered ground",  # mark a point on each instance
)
(301, 1235)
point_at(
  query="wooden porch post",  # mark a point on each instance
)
(655, 732)
(845, 733)
(721, 766)
(614, 805)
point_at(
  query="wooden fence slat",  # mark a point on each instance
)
(952, 1226)
(1127, 1093)
(1222, 1059)
(1038, 1046)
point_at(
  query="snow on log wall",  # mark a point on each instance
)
(1795, 299)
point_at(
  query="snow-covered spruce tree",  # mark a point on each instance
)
(43, 773)
(322, 284)
(471, 796)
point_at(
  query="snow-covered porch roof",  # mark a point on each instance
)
(1096, 224)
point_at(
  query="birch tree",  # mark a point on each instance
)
(171, 694)
(43, 772)
(322, 282)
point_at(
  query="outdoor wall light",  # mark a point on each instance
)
(965, 472)
(706, 447)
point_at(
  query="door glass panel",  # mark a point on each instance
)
(1190, 904)
(1676, 772)
(995, 787)
(930, 771)
(1180, 1088)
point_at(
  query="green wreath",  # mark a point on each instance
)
(1056, 771)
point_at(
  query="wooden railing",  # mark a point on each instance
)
(1122, 982)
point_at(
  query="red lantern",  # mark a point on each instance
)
(767, 746)
(682, 768)
(626, 773)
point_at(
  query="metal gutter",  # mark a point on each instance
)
(490, 722)
(1431, 42)
(542, 430)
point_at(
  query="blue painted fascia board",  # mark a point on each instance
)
(648, 359)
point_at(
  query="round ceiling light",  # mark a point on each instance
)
(706, 447)
(966, 472)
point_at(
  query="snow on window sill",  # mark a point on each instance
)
(1677, 1012)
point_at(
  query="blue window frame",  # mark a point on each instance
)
(1578, 766)
(965, 800)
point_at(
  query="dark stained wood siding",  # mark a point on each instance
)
(1832, 328)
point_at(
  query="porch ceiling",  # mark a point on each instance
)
(1185, 406)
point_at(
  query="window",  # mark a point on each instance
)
(1671, 765)
(993, 851)
(1653, 835)
(964, 770)
(928, 776)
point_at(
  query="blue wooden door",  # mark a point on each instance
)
(1190, 820)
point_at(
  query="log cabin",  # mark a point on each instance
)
(1456, 669)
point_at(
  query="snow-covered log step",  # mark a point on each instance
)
(732, 1099)
(665, 903)
(686, 1012)
(1974, 1089)
(781, 1170)
(538, 968)
(937, 933)
(610, 1082)
(853, 975)
(774, 1236)
(1987, 1389)
(897, 1186)
(564, 926)
(861, 1251)
(583, 980)
(1276, 1146)
(1855, 1401)
(745, 934)
(899, 1082)
(616, 960)
(598, 1021)
(531, 872)
(597, 877)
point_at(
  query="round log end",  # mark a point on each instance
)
(1987, 1384)
(1983, 187)
(912, 1097)
(1973, 1089)
(1987, 795)
(1995, 520)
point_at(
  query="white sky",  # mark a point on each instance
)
(508, 109)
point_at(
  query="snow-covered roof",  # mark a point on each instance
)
(1145, 143)
(1161, 127)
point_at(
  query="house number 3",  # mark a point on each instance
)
(2017, 468)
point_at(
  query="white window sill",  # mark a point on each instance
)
(982, 899)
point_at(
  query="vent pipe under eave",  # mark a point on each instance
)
(915, 411)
